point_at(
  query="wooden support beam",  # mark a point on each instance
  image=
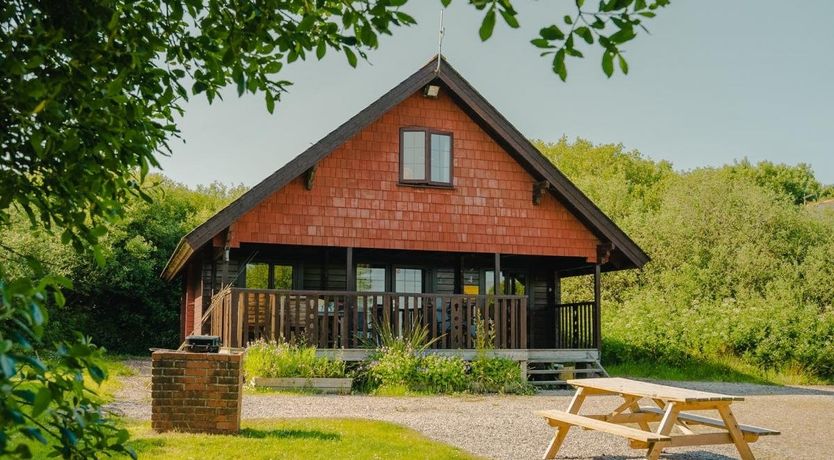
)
(459, 274)
(497, 280)
(597, 310)
(309, 177)
(538, 191)
(227, 247)
(350, 273)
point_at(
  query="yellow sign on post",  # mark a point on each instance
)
(471, 289)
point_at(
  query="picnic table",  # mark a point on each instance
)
(668, 411)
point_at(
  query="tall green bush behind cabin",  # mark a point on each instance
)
(741, 264)
(123, 304)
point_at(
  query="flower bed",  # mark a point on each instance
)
(283, 366)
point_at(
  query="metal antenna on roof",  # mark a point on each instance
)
(440, 43)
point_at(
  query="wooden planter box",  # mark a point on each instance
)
(323, 385)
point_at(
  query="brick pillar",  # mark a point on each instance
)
(196, 392)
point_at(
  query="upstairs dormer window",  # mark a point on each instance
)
(425, 157)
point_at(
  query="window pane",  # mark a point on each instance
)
(370, 278)
(257, 276)
(441, 158)
(414, 155)
(282, 276)
(409, 280)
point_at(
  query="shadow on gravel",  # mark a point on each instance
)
(691, 455)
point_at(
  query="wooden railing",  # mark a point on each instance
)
(575, 325)
(346, 319)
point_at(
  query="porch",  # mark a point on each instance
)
(343, 320)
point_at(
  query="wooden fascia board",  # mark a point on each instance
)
(178, 259)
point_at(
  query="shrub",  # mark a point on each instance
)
(394, 366)
(279, 360)
(493, 374)
(400, 366)
(441, 374)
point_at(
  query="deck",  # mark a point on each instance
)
(351, 319)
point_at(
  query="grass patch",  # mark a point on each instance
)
(115, 367)
(727, 369)
(292, 439)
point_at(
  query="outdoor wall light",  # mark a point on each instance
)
(431, 91)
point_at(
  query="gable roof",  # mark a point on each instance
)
(477, 107)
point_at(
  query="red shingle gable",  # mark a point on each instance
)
(356, 199)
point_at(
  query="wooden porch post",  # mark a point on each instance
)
(350, 275)
(597, 312)
(459, 275)
(350, 301)
(554, 298)
(498, 274)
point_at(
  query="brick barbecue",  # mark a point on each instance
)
(196, 392)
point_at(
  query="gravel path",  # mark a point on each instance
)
(504, 427)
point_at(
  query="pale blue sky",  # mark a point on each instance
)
(715, 82)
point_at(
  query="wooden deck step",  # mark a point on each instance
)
(557, 417)
(543, 371)
(713, 422)
(547, 382)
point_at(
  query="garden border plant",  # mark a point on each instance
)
(403, 364)
(295, 367)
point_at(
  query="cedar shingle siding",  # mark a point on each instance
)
(356, 200)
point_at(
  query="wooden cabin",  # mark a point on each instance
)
(411, 212)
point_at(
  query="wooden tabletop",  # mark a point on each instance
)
(617, 385)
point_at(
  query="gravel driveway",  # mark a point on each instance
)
(504, 427)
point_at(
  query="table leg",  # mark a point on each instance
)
(562, 431)
(630, 403)
(670, 417)
(735, 433)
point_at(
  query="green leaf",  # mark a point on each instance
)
(7, 365)
(487, 25)
(42, 400)
(98, 255)
(351, 56)
(33, 433)
(623, 35)
(559, 65)
(510, 19)
(552, 33)
(97, 373)
(568, 20)
(321, 48)
(585, 33)
(270, 102)
(623, 64)
(541, 43)
(608, 63)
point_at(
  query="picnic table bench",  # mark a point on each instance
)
(669, 401)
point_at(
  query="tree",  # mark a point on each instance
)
(88, 94)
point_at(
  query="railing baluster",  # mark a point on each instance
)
(333, 319)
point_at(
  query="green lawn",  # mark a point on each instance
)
(290, 439)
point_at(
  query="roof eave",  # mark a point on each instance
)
(178, 259)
